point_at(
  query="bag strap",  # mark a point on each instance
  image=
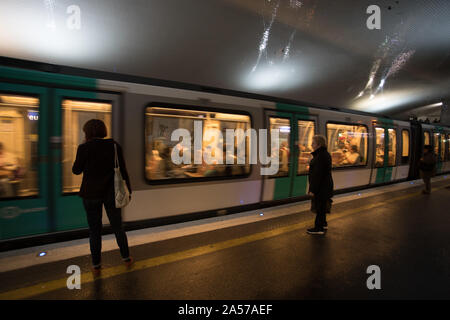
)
(116, 158)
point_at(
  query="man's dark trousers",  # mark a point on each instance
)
(321, 216)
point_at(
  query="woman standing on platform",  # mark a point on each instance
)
(320, 183)
(95, 159)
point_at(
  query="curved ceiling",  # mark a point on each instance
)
(319, 52)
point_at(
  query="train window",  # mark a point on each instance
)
(283, 159)
(347, 144)
(405, 146)
(426, 138)
(305, 135)
(448, 147)
(379, 153)
(442, 140)
(75, 114)
(436, 143)
(19, 125)
(222, 160)
(392, 147)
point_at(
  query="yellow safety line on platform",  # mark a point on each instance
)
(44, 287)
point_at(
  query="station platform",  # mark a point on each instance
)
(262, 254)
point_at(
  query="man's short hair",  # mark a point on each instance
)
(94, 128)
(320, 140)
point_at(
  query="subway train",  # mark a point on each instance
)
(43, 109)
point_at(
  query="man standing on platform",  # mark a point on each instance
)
(320, 183)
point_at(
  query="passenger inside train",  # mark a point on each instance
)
(347, 144)
(161, 122)
(284, 157)
(8, 173)
(19, 118)
(352, 157)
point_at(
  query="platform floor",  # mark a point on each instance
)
(269, 256)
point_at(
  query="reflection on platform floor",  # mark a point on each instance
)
(404, 233)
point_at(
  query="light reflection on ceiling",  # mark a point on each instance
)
(311, 51)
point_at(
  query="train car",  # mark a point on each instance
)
(436, 136)
(41, 119)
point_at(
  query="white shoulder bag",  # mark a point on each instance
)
(122, 194)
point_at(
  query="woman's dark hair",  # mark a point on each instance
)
(428, 147)
(94, 128)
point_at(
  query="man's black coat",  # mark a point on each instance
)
(320, 179)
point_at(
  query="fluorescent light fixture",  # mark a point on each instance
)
(387, 100)
(432, 105)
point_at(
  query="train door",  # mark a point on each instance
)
(73, 109)
(426, 139)
(447, 162)
(385, 155)
(295, 137)
(439, 149)
(24, 184)
(278, 186)
(404, 153)
(304, 130)
(447, 153)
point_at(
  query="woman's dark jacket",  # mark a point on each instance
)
(320, 179)
(95, 159)
(428, 162)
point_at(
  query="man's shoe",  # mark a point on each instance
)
(315, 231)
(129, 262)
(325, 226)
(425, 192)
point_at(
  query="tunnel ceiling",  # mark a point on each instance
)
(319, 52)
